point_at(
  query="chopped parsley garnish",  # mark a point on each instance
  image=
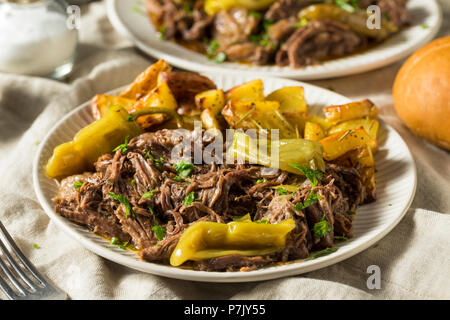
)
(282, 191)
(255, 14)
(178, 179)
(123, 200)
(129, 118)
(212, 48)
(340, 238)
(36, 246)
(162, 33)
(267, 23)
(350, 213)
(159, 231)
(133, 182)
(344, 5)
(149, 194)
(124, 246)
(123, 147)
(158, 162)
(220, 57)
(189, 199)
(77, 184)
(313, 197)
(187, 8)
(321, 228)
(303, 22)
(183, 168)
(264, 180)
(138, 10)
(424, 26)
(322, 253)
(313, 175)
(261, 221)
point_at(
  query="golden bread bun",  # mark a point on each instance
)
(422, 92)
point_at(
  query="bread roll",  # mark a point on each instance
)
(422, 92)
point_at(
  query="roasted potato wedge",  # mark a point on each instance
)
(146, 81)
(161, 96)
(209, 120)
(258, 115)
(292, 105)
(290, 99)
(249, 91)
(184, 86)
(370, 125)
(350, 111)
(323, 122)
(313, 131)
(342, 142)
(213, 100)
(101, 103)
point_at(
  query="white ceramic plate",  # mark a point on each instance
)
(396, 184)
(129, 18)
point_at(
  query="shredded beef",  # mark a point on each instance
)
(221, 192)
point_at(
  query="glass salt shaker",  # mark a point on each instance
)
(38, 38)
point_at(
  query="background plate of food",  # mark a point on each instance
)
(107, 175)
(303, 40)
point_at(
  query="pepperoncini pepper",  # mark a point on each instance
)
(206, 240)
(211, 7)
(357, 21)
(96, 139)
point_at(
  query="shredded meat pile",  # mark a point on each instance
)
(273, 36)
(222, 192)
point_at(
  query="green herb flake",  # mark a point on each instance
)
(133, 182)
(303, 22)
(123, 147)
(129, 118)
(159, 231)
(255, 14)
(220, 57)
(350, 213)
(123, 200)
(282, 191)
(212, 48)
(261, 221)
(321, 228)
(115, 241)
(313, 197)
(189, 199)
(187, 8)
(264, 180)
(313, 175)
(158, 162)
(138, 10)
(344, 5)
(149, 194)
(36, 246)
(341, 238)
(322, 253)
(178, 179)
(162, 33)
(183, 168)
(424, 26)
(267, 23)
(77, 184)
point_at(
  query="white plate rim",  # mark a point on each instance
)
(353, 66)
(273, 272)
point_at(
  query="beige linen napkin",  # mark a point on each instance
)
(414, 258)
